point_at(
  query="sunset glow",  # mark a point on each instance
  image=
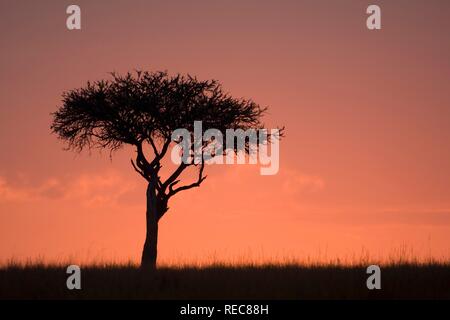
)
(364, 167)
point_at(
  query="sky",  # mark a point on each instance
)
(364, 167)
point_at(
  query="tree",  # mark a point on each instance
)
(143, 109)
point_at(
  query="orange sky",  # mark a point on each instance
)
(364, 166)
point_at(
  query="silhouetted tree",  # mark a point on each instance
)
(143, 109)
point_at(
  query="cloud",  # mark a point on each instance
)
(101, 189)
(294, 181)
(89, 189)
(8, 193)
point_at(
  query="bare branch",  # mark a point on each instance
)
(172, 185)
(161, 154)
(139, 171)
(174, 175)
(155, 149)
(200, 179)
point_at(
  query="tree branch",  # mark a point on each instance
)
(158, 155)
(139, 171)
(200, 179)
(148, 170)
(155, 149)
(174, 175)
(141, 160)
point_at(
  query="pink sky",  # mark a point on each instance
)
(364, 165)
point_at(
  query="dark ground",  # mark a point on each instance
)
(407, 281)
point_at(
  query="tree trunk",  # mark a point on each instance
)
(149, 253)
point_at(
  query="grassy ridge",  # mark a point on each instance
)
(402, 281)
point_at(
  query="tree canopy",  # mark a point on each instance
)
(145, 108)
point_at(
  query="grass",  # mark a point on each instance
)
(399, 280)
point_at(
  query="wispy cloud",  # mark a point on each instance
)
(89, 189)
(295, 181)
